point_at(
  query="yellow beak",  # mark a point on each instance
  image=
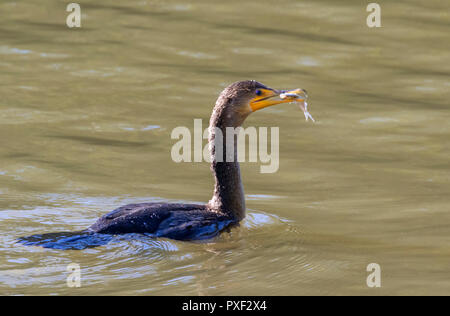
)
(270, 97)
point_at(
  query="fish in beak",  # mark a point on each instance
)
(270, 97)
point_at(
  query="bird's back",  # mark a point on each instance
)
(176, 221)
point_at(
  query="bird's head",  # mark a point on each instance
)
(242, 98)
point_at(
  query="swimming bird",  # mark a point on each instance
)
(227, 205)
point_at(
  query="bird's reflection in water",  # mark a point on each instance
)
(80, 240)
(67, 240)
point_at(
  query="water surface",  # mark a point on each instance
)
(86, 116)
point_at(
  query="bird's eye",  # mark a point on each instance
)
(258, 92)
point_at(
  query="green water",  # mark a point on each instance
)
(85, 122)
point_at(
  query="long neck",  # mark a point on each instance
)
(228, 190)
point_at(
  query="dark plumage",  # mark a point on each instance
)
(176, 221)
(188, 221)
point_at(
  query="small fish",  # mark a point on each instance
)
(304, 107)
(289, 95)
(300, 96)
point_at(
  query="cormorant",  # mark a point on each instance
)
(191, 221)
